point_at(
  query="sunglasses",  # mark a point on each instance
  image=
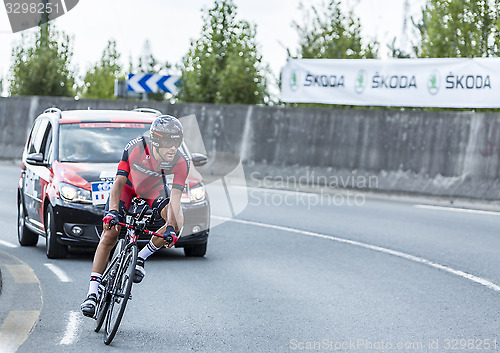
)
(169, 143)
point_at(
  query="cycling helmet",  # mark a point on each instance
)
(166, 131)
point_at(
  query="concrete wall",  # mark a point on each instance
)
(453, 154)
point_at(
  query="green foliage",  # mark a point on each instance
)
(396, 52)
(41, 66)
(460, 28)
(329, 34)
(224, 64)
(99, 81)
(147, 63)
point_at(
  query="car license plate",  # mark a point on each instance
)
(100, 192)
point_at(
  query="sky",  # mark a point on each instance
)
(170, 25)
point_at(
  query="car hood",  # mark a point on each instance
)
(82, 174)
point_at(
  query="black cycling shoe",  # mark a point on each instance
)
(140, 272)
(89, 305)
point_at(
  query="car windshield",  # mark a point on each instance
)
(96, 142)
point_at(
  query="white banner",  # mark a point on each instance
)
(457, 83)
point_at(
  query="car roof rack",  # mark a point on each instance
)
(147, 110)
(53, 110)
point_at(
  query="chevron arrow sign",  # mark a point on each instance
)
(152, 83)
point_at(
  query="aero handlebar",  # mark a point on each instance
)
(142, 230)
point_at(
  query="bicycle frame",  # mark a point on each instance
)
(118, 276)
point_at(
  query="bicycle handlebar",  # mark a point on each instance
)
(142, 230)
(138, 217)
(168, 237)
(145, 212)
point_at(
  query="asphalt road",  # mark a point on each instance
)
(340, 275)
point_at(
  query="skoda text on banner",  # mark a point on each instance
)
(454, 83)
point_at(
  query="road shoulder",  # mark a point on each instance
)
(21, 302)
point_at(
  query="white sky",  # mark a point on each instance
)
(169, 25)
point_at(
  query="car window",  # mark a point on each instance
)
(47, 144)
(97, 142)
(33, 135)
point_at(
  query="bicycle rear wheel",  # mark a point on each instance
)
(120, 292)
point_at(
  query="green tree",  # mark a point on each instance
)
(99, 81)
(42, 66)
(460, 28)
(224, 65)
(327, 33)
(396, 52)
(147, 63)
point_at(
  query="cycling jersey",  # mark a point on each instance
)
(146, 176)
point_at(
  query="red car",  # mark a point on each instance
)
(68, 167)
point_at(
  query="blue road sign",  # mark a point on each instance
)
(152, 83)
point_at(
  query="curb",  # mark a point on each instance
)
(18, 318)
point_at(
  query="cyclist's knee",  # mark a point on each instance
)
(109, 237)
(164, 213)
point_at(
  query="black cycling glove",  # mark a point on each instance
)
(112, 218)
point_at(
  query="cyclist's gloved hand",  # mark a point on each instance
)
(170, 236)
(112, 218)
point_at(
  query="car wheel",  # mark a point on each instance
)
(196, 250)
(24, 235)
(53, 248)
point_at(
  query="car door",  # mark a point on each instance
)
(36, 176)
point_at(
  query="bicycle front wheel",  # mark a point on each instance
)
(102, 307)
(120, 292)
(105, 288)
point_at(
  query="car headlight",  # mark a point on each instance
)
(195, 194)
(72, 193)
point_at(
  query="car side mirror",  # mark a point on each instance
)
(199, 159)
(35, 159)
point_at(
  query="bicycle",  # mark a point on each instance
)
(116, 285)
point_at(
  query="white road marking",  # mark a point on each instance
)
(7, 244)
(63, 277)
(456, 209)
(71, 328)
(400, 254)
(15, 329)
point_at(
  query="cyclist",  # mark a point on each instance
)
(141, 172)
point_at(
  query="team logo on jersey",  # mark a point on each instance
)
(165, 165)
(146, 171)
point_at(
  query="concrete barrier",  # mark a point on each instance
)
(451, 154)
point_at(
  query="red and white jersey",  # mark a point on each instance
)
(144, 173)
